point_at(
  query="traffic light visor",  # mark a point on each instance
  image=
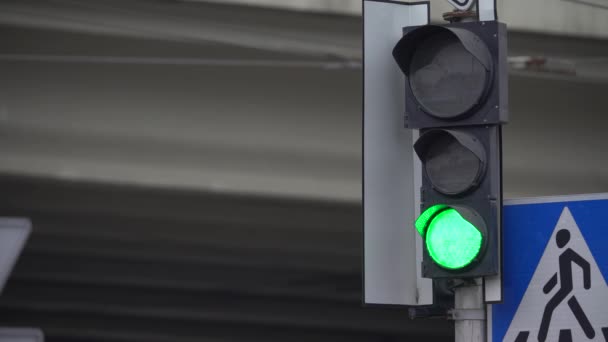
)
(453, 236)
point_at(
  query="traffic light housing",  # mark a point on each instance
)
(456, 95)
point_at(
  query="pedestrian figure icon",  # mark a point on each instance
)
(566, 285)
(566, 298)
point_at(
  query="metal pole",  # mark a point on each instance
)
(469, 313)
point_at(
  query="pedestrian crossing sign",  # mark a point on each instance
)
(555, 266)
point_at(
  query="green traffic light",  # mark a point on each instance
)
(452, 241)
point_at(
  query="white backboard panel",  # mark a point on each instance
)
(13, 234)
(391, 259)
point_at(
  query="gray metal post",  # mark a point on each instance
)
(469, 314)
(469, 311)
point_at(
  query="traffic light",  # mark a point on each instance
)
(456, 95)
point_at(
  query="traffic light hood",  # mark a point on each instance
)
(424, 220)
(404, 50)
(468, 141)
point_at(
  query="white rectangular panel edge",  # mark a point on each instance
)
(391, 264)
(13, 235)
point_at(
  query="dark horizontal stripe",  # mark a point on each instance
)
(220, 307)
(329, 285)
(103, 328)
(24, 194)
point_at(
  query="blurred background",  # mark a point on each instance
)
(192, 168)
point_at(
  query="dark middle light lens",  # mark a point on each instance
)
(451, 167)
(445, 78)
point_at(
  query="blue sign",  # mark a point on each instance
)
(555, 266)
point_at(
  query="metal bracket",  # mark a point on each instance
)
(467, 315)
(432, 311)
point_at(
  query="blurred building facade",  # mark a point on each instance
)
(192, 168)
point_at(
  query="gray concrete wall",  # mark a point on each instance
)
(542, 16)
(282, 131)
(273, 129)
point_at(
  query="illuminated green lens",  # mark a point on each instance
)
(452, 241)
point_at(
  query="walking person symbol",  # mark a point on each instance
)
(566, 259)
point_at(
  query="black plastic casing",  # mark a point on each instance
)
(482, 122)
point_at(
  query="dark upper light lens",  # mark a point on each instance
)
(445, 78)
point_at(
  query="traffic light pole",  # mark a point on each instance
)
(469, 313)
